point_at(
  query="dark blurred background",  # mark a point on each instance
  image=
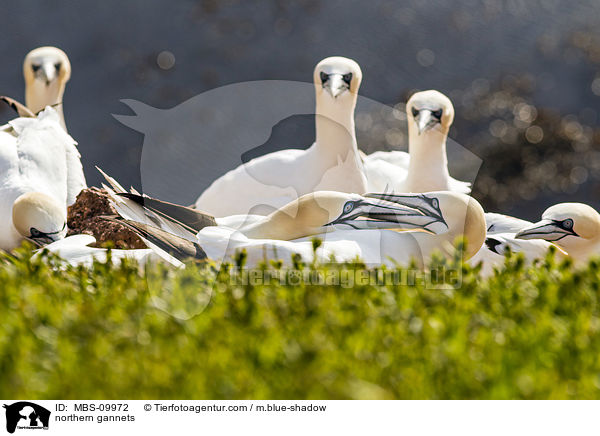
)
(523, 75)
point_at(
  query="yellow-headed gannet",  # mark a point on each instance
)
(332, 163)
(47, 71)
(352, 226)
(36, 155)
(425, 167)
(574, 227)
(36, 217)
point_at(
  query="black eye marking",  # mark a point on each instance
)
(348, 207)
(437, 114)
(567, 224)
(324, 77)
(35, 233)
(57, 66)
(35, 67)
(415, 112)
(347, 78)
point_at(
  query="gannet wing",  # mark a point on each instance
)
(19, 108)
(498, 223)
(170, 247)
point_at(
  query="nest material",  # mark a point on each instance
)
(85, 216)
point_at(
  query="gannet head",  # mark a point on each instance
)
(572, 226)
(429, 110)
(46, 71)
(39, 218)
(460, 214)
(337, 77)
(325, 211)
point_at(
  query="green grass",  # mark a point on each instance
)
(109, 333)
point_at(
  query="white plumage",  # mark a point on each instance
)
(36, 155)
(331, 163)
(425, 167)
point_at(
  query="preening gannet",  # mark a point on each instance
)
(425, 167)
(574, 227)
(36, 155)
(47, 71)
(36, 217)
(332, 163)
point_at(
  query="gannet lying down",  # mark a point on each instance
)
(425, 167)
(332, 163)
(36, 155)
(574, 227)
(352, 226)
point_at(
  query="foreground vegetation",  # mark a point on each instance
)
(203, 333)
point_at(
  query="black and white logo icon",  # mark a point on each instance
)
(26, 415)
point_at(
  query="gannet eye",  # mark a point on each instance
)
(57, 66)
(348, 207)
(437, 114)
(35, 233)
(347, 78)
(415, 112)
(324, 77)
(567, 224)
(35, 67)
(435, 203)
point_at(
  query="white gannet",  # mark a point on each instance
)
(352, 226)
(36, 217)
(332, 163)
(574, 227)
(36, 155)
(46, 71)
(425, 167)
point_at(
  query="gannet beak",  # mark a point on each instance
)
(41, 241)
(425, 120)
(48, 72)
(335, 85)
(429, 207)
(549, 230)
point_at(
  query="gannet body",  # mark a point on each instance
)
(351, 226)
(574, 227)
(332, 163)
(36, 155)
(425, 167)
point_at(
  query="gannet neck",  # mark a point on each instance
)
(334, 123)
(428, 166)
(38, 96)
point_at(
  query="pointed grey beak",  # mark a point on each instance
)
(549, 230)
(335, 85)
(48, 72)
(425, 120)
(428, 206)
(380, 213)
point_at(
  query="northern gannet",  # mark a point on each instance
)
(425, 167)
(35, 217)
(36, 155)
(46, 71)
(352, 226)
(574, 227)
(332, 163)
